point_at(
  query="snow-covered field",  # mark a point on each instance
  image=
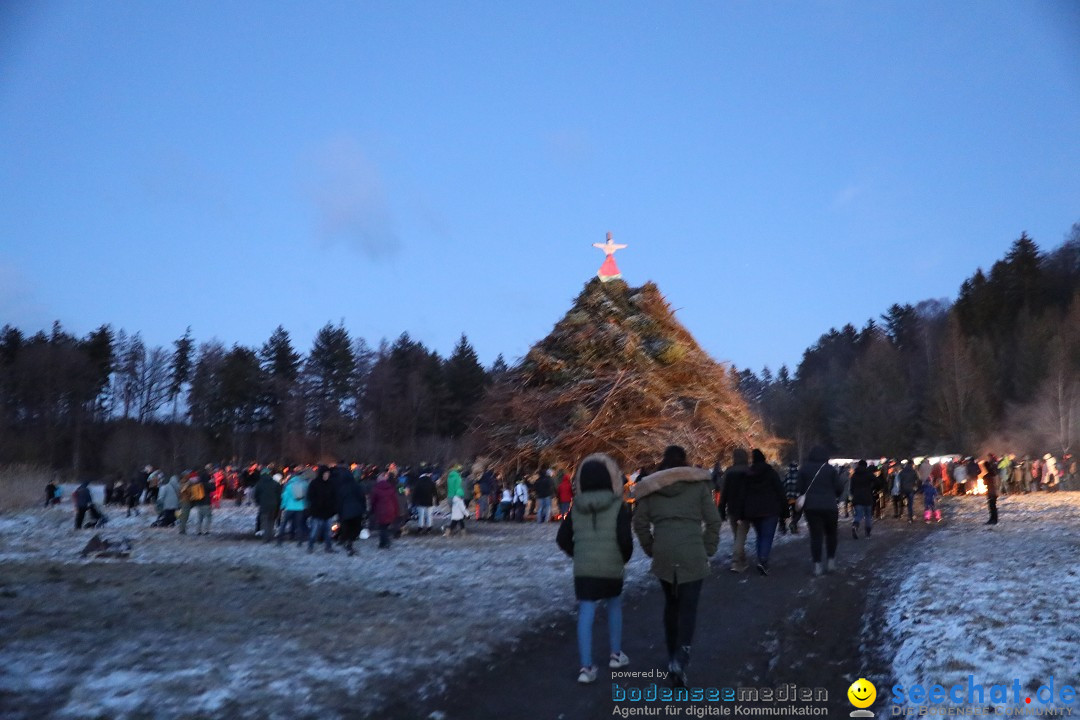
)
(225, 625)
(1000, 603)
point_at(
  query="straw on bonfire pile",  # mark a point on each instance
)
(618, 374)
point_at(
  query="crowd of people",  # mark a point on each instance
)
(676, 511)
(317, 504)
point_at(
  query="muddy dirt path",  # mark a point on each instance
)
(752, 631)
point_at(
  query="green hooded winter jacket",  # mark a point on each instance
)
(454, 485)
(677, 523)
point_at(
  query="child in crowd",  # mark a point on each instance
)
(929, 493)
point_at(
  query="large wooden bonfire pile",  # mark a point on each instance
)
(619, 374)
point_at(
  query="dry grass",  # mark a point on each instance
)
(618, 374)
(22, 486)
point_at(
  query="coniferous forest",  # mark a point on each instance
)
(999, 366)
(998, 369)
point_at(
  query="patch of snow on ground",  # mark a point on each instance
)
(997, 602)
(425, 609)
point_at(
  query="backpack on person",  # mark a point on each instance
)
(196, 491)
(299, 489)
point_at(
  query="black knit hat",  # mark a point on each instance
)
(595, 476)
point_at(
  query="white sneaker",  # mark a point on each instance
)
(587, 675)
(618, 661)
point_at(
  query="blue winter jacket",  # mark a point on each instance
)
(288, 495)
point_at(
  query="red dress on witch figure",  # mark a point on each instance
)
(609, 270)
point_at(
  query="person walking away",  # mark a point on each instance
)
(845, 494)
(763, 506)
(384, 508)
(993, 486)
(293, 507)
(322, 506)
(862, 497)
(930, 493)
(820, 483)
(423, 498)
(678, 526)
(878, 489)
(600, 542)
(352, 507)
(268, 498)
(909, 484)
(791, 485)
(169, 502)
(896, 492)
(732, 493)
(544, 489)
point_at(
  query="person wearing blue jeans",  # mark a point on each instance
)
(862, 497)
(765, 532)
(909, 485)
(862, 512)
(322, 505)
(596, 534)
(320, 529)
(586, 617)
(543, 510)
(292, 524)
(544, 489)
(763, 504)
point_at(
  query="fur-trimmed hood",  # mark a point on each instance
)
(616, 475)
(664, 479)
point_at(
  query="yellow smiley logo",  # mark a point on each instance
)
(862, 693)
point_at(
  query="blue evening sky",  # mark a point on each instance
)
(444, 167)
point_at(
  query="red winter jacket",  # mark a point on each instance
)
(566, 490)
(384, 503)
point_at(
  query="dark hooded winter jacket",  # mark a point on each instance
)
(862, 487)
(764, 493)
(677, 523)
(322, 498)
(824, 492)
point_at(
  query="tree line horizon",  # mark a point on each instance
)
(996, 370)
(1001, 364)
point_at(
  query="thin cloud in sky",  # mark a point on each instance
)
(845, 197)
(350, 200)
